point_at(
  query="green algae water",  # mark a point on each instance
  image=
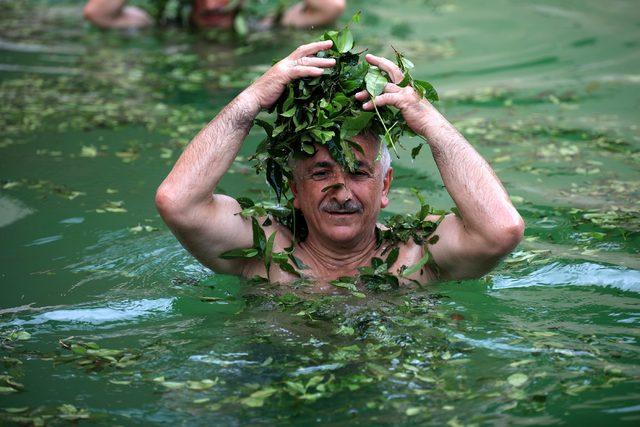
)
(106, 320)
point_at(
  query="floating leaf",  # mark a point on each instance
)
(173, 385)
(257, 398)
(517, 380)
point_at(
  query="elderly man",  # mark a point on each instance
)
(341, 220)
(210, 13)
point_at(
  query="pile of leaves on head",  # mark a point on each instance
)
(323, 111)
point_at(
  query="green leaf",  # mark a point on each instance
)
(268, 251)
(332, 187)
(393, 256)
(309, 149)
(352, 126)
(22, 335)
(345, 285)
(245, 202)
(290, 112)
(279, 129)
(285, 266)
(323, 136)
(342, 40)
(275, 177)
(406, 81)
(375, 81)
(239, 253)
(426, 89)
(416, 267)
(16, 410)
(257, 398)
(416, 150)
(259, 238)
(407, 64)
(240, 25)
(517, 380)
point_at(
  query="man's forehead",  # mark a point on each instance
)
(322, 154)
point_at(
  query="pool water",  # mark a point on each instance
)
(105, 319)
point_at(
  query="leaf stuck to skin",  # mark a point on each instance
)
(332, 187)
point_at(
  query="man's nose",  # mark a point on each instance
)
(342, 192)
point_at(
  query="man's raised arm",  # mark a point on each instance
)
(207, 224)
(488, 227)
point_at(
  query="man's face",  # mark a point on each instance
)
(212, 13)
(339, 206)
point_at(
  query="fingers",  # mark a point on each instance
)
(392, 88)
(304, 71)
(386, 65)
(311, 49)
(384, 99)
(361, 96)
(389, 88)
(312, 61)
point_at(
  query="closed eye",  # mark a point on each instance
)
(319, 175)
(361, 174)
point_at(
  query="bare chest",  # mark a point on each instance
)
(409, 255)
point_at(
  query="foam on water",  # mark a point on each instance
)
(583, 274)
(114, 312)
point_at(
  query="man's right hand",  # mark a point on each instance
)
(302, 62)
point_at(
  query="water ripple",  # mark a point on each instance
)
(584, 274)
(114, 312)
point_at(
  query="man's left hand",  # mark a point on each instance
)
(415, 109)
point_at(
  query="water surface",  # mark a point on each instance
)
(92, 121)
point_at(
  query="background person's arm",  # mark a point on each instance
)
(489, 226)
(115, 14)
(207, 224)
(313, 13)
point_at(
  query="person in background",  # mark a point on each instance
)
(211, 14)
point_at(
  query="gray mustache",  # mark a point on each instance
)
(333, 206)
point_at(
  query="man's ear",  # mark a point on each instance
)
(386, 186)
(294, 191)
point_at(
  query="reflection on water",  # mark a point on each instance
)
(547, 92)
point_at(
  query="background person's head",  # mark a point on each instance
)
(212, 14)
(341, 207)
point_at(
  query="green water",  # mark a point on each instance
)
(91, 122)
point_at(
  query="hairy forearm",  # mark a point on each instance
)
(207, 158)
(484, 204)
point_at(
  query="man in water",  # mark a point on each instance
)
(210, 13)
(342, 220)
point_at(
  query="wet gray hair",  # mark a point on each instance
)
(384, 157)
